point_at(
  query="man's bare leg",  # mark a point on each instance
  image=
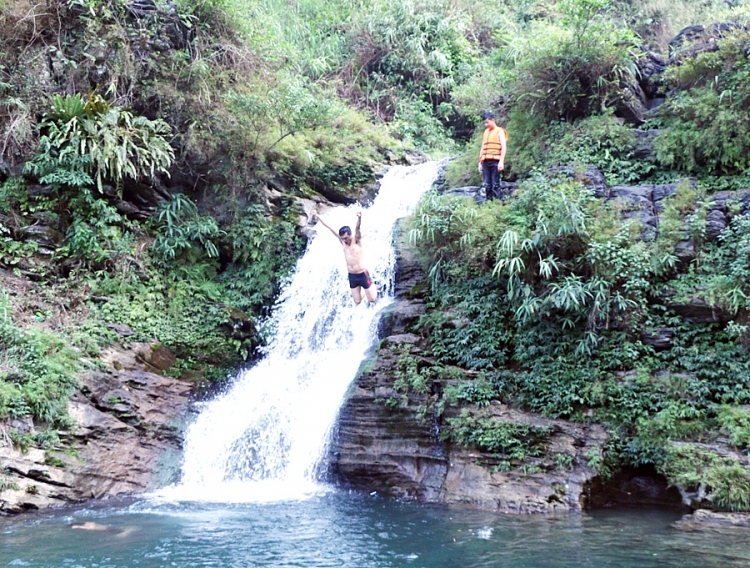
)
(371, 293)
(357, 294)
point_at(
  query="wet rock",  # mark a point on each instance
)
(703, 518)
(410, 274)
(369, 191)
(402, 339)
(156, 357)
(406, 313)
(415, 157)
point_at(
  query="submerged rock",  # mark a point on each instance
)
(703, 518)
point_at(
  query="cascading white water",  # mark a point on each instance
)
(264, 439)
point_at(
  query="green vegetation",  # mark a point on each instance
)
(550, 297)
(153, 159)
(509, 441)
(37, 371)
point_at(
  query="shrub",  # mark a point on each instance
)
(507, 440)
(708, 128)
(575, 71)
(89, 139)
(36, 371)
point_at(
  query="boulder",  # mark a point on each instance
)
(638, 201)
(698, 310)
(650, 68)
(697, 39)
(121, 329)
(704, 519)
(469, 192)
(415, 157)
(589, 176)
(156, 357)
(44, 236)
(644, 145)
(716, 222)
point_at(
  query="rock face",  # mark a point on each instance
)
(126, 431)
(395, 451)
(398, 451)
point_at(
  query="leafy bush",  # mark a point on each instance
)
(708, 128)
(507, 440)
(723, 480)
(180, 229)
(721, 275)
(574, 71)
(36, 372)
(92, 140)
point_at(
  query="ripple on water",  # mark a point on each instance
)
(359, 531)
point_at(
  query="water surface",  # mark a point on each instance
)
(360, 531)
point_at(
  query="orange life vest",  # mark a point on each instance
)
(492, 146)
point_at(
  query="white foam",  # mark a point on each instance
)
(265, 438)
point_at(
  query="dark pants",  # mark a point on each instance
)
(491, 177)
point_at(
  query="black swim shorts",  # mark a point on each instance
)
(362, 279)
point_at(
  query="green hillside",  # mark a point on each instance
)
(156, 159)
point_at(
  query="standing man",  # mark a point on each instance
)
(359, 277)
(492, 155)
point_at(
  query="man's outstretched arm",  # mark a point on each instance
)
(326, 225)
(357, 232)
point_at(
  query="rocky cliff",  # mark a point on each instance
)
(124, 438)
(394, 443)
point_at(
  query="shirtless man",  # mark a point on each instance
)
(359, 278)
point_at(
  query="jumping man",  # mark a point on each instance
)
(359, 278)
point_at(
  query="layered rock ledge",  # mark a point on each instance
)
(397, 449)
(125, 437)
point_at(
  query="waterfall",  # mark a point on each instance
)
(264, 439)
